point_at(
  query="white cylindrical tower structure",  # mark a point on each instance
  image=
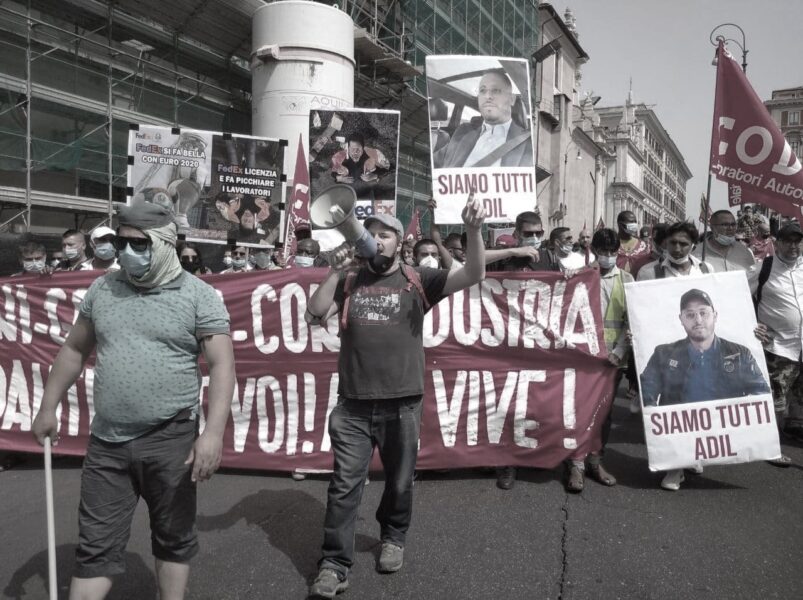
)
(302, 59)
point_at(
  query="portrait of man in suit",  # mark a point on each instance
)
(494, 138)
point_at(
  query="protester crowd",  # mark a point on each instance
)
(144, 256)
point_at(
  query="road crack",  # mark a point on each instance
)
(563, 548)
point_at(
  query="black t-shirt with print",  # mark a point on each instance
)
(382, 346)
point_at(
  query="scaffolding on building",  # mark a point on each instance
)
(100, 65)
(408, 31)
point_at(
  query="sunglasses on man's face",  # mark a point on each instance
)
(137, 244)
(529, 234)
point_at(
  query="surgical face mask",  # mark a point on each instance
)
(227, 261)
(566, 249)
(725, 240)
(381, 263)
(304, 261)
(105, 251)
(33, 266)
(262, 260)
(531, 242)
(677, 261)
(632, 228)
(135, 263)
(606, 262)
(71, 253)
(238, 263)
(429, 261)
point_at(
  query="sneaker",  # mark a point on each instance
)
(391, 558)
(782, 461)
(505, 477)
(698, 469)
(327, 584)
(673, 479)
(298, 476)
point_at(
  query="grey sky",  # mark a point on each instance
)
(663, 45)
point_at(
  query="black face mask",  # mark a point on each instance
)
(190, 264)
(381, 263)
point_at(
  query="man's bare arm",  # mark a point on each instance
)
(321, 304)
(473, 271)
(504, 253)
(208, 448)
(66, 368)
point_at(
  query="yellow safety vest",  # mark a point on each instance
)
(615, 319)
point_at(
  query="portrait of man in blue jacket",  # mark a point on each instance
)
(702, 366)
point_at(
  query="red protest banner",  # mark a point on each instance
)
(516, 370)
(748, 149)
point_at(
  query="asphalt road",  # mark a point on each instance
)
(733, 532)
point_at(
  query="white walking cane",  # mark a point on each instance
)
(53, 585)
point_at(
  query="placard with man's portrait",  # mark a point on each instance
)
(480, 135)
(703, 379)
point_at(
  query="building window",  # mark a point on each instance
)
(557, 107)
(794, 117)
(795, 147)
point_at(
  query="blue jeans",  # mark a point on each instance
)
(356, 427)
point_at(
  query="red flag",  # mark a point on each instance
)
(600, 225)
(298, 215)
(413, 232)
(748, 148)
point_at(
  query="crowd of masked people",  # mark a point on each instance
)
(629, 252)
(101, 254)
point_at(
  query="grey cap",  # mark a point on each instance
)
(143, 215)
(386, 220)
(792, 228)
(695, 294)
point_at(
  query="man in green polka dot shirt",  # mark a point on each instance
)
(147, 324)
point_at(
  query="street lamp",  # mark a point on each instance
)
(743, 46)
(579, 156)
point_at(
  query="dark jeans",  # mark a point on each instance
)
(356, 427)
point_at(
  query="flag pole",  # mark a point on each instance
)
(720, 46)
(707, 209)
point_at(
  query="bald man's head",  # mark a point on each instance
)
(495, 98)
